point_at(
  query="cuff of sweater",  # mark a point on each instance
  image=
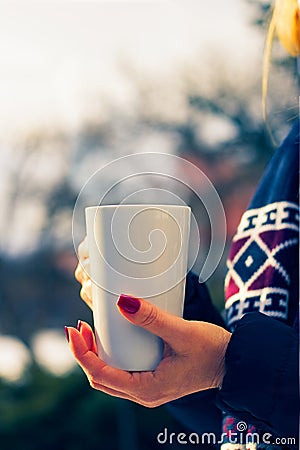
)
(261, 379)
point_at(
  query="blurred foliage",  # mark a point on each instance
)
(37, 294)
(51, 413)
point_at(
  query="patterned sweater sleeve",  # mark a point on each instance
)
(261, 382)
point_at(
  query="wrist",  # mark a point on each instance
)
(220, 368)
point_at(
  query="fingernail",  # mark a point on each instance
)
(67, 333)
(129, 304)
(78, 326)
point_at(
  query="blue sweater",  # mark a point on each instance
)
(262, 305)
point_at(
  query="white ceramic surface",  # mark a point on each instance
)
(139, 250)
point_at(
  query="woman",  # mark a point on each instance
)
(248, 369)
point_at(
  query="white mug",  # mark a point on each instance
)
(138, 250)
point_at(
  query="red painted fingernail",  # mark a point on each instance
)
(67, 333)
(129, 304)
(79, 324)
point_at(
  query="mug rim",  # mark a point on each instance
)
(138, 205)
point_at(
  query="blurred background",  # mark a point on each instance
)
(83, 83)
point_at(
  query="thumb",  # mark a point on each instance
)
(170, 328)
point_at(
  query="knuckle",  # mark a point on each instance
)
(85, 266)
(88, 286)
(94, 379)
(82, 249)
(83, 294)
(150, 317)
(88, 290)
(78, 273)
(93, 383)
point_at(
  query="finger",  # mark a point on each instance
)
(87, 333)
(170, 328)
(97, 371)
(83, 251)
(86, 296)
(82, 271)
(79, 273)
(139, 387)
(87, 285)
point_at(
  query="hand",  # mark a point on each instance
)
(82, 273)
(193, 358)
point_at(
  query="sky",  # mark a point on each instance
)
(62, 61)
(57, 56)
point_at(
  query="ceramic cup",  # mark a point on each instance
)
(138, 250)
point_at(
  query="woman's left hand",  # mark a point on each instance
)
(82, 273)
(193, 359)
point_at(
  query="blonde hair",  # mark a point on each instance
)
(285, 24)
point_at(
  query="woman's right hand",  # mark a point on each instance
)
(82, 273)
(194, 358)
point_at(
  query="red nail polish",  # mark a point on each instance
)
(67, 333)
(129, 304)
(79, 324)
